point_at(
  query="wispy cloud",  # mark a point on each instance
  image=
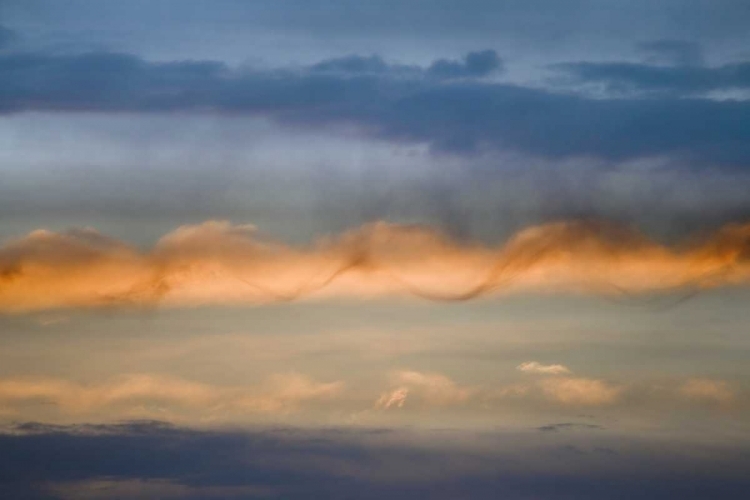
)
(393, 399)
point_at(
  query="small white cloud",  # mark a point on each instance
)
(536, 367)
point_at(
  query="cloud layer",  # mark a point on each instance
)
(453, 105)
(152, 395)
(220, 263)
(143, 460)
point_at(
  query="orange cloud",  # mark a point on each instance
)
(279, 394)
(433, 389)
(580, 391)
(717, 391)
(220, 263)
(536, 367)
(393, 399)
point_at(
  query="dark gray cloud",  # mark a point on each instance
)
(361, 463)
(475, 64)
(629, 78)
(463, 115)
(353, 64)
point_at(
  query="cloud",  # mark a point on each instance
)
(395, 399)
(474, 65)
(568, 426)
(433, 388)
(286, 391)
(152, 489)
(677, 52)
(535, 367)
(637, 79)
(580, 391)
(355, 64)
(162, 461)
(153, 395)
(220, 263)
(708, 390)
(447, 105)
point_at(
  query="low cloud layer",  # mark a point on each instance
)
(144, 460)
(418, 397)
(220, 263)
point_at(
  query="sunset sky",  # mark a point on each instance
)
(304, 249)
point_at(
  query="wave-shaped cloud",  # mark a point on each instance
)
(220, 263)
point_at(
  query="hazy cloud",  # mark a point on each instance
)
(707, 390)
(677, 52)
(153, 395)
(432, 388)
(535, 367)
(580, 391)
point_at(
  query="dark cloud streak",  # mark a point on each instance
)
(635, 78)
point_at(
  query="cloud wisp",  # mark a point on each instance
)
(220, 263)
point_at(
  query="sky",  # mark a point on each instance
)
(339, 249)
